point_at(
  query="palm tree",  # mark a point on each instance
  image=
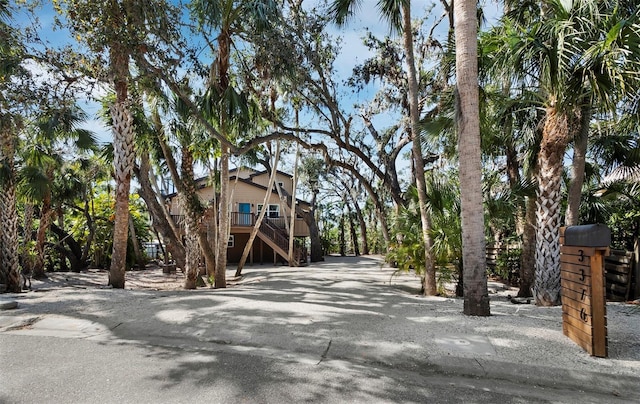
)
(579, 55)
(398, 13)
(11, 75)
(476, 297)
(9, 269)
(223, 104)
(122, 29)
(110, 27)
(187, 136)
(43, 158)
(74, 186)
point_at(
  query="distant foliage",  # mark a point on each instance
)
(508, 265)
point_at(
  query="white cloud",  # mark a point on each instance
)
(99, 128)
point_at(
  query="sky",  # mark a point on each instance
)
(353, 51)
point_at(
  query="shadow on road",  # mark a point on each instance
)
(344, 313)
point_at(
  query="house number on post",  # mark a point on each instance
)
(583, 286)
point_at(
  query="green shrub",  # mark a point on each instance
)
(508, 265)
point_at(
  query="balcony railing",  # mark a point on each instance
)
(272, 227)
(243, 219)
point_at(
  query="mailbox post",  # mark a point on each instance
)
(584, 312)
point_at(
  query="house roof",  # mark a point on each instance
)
(257, 173)
(202, 182)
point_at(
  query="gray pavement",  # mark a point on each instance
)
(341, 331)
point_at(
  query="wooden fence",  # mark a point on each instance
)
(621, 275)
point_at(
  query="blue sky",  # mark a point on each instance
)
(353, 51)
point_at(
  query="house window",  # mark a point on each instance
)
(232, 241)
(273, 212)
(280, 184)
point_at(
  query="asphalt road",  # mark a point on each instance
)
(45, 370)
(333, 334)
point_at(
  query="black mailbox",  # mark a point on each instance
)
(588, 235)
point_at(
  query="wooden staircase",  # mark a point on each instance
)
(278, 239)
(271, 232)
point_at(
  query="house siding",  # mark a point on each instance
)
(263, 179)
(249, 188)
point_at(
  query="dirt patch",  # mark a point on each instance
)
(150, 278)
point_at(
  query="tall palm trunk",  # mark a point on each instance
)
(27, 237)
(429, 286)
(525, 217)
(123, 160)
(45, 220)
(123, 163)
(192, 253)
(220, 278)
(556, 135)
(9, 266)
(195, 213)
(476, 298)
(527, 259)
(84, 256)
(219, 77)
(574, 193)
(292, 208)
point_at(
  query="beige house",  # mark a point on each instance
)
(247, 190)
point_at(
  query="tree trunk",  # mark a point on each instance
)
(352, 229)
(195, 212)
(388, 162)
(136, 244)
(309, 217)
(374, 195)
(527, 259)
(555, 137)
(63, 258)
(359, 217)
(212, 229)
(220, 280)
(363, 228)
(124, 155)
(256, 226)
(283, 197)
(292, 208)
(88, 211)
(192, 254)
(27, 237)
(73, 252)
(342, 242)
(123, 159)
(429, 278)
(41, 237)
(9, 265)
(580, 144)
(513, 173)
(161, 223)
(476, 297)
(384, 228)
(208, 228)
